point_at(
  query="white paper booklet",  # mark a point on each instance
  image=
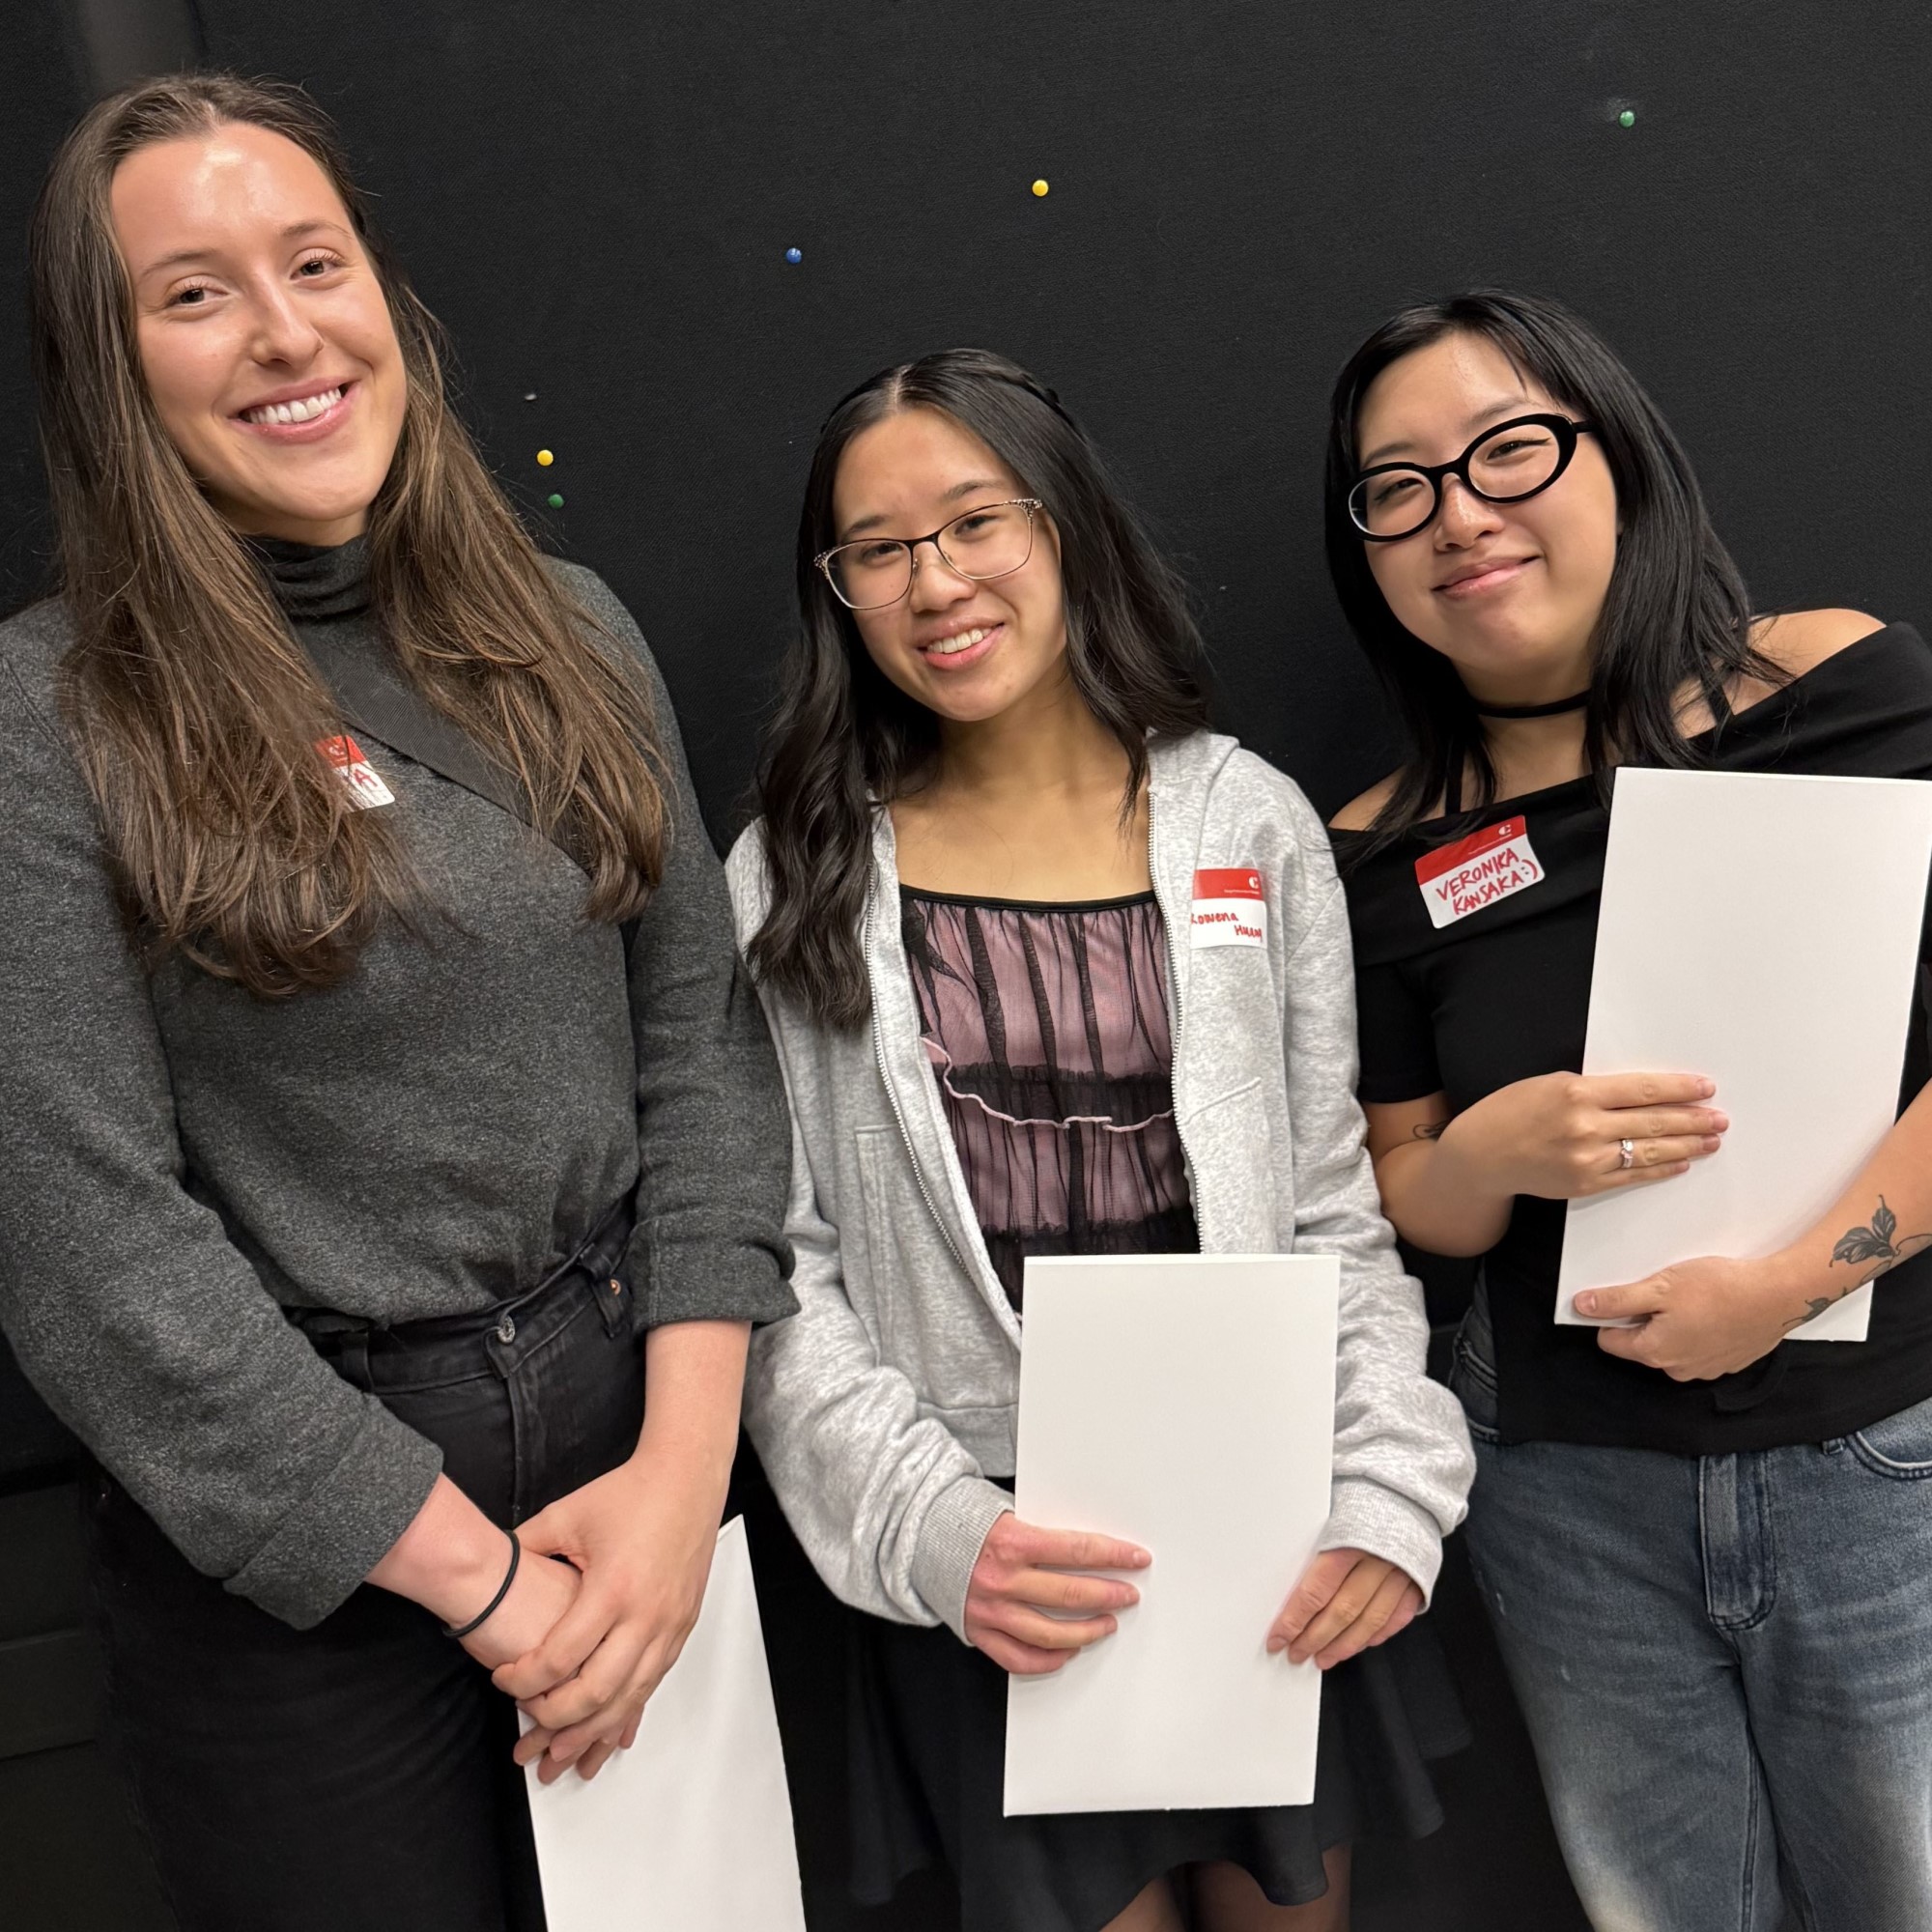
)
(1764, 929)
(690, 1830)
(1185, 1402)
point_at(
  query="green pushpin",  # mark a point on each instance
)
(554, 502)
(1628, 118)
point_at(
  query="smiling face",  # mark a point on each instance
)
(263, 337)
(1508, 592)
(967, 650)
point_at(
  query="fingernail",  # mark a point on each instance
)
(1586, 1303)
(1707, 1087)
(1713, 1142)
(1276, 1644)
(1142, 1558)
(1723, 1121)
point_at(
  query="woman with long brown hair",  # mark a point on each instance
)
(392, 1159)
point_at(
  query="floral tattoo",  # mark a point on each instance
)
(1857, 1246)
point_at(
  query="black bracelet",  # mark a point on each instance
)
(496, 1602)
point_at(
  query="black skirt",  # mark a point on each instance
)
(927, 1744)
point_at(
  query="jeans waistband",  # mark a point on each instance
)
(451, 1347)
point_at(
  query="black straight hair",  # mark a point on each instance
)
(845, 741)
(1675, 614)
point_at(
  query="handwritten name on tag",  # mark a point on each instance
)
(1476, 872)
(345, 757)
(1229, 908)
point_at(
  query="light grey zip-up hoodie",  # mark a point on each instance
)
(880, 1407)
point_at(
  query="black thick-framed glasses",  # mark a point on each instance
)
(992, 540)
(1504, 465)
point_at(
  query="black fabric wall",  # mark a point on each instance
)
(597, 198)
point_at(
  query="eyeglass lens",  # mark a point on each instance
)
(987, 542)
(1518, 460)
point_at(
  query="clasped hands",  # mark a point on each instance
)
(1034, 1603)
(610, 1583)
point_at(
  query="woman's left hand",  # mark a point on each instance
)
(1697, 1319)
(1346, 1601)
(643, 1537)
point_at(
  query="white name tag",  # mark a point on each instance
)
(345, 757)
(1477, 871)
(1229, 908)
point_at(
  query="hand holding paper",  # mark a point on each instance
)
(644, 1547)
(1713, 1315)
(1697, 1320)
(1027, 1609)
(1187, 1402)
(1804, 898)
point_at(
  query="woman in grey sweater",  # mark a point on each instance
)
(392, 1159)
(987, 799)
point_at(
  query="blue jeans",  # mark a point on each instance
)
(1726, 1665)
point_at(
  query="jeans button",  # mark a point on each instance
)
(616, 1285)
(507, 1330)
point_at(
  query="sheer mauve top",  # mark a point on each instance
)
(1047, 1027)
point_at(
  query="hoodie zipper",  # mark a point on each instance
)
(1173, 1007)
(892, 1100)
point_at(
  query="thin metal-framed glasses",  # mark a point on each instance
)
(993, 540)
(1515, 460)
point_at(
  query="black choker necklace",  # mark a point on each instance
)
(1562, 704)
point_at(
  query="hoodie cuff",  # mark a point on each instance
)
(950, 1536)
(1364, 1515)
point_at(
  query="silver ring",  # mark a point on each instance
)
(1626, 1155)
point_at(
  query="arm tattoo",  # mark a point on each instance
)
(1857, 1246)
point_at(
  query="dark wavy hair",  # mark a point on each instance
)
(1676, 611)
(845, 741)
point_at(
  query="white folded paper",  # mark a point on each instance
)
(1764, 929)
(1185, 1402)
(690, 1830)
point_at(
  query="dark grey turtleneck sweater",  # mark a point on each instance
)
(177, 1157)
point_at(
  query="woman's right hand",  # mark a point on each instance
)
(1028, 1612)
(1559, 1136)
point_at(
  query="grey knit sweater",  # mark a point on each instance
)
(177, 1157)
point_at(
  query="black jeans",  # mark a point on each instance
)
(359, 1774)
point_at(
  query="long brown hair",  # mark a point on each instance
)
(193, 709)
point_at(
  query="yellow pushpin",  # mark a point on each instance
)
(544, 458)
(1039, 188)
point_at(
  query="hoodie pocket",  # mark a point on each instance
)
(934, 1326)
(1233, 1171)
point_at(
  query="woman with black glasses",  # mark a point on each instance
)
(989, 797)
(1704, 1549)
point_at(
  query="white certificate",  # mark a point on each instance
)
(1763, 929)
(690, 1830)
(1185, 1402)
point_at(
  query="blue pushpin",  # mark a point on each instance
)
(794, 256)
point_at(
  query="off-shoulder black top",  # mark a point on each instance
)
(1502, 994)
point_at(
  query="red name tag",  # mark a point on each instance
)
(1230, 907)
(354, 771)
(1476, 872)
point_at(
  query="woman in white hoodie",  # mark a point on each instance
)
(987, 799)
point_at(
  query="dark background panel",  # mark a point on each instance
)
(597, 199)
